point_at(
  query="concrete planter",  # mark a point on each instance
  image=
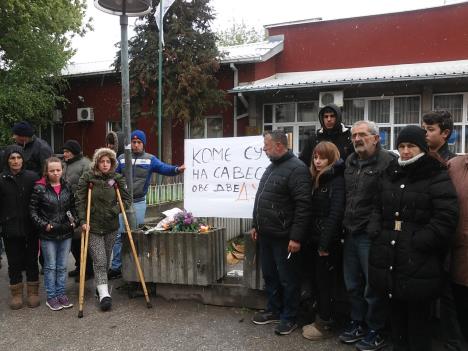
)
(176, 258)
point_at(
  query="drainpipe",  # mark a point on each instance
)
(236, 83)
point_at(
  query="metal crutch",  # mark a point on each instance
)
(84, 253)
(132, 244)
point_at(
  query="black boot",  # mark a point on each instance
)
(106, 303)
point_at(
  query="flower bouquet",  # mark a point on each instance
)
(180, 221)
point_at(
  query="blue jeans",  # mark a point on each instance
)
(366, 305)
(282, 277)
(55, 254)
(140, 210)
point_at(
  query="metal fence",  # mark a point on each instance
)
(159, 194)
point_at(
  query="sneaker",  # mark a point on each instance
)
(74, 273)
(114, 274)
(265, 317)
(373, 341)
(63, 300)
(353, 332)
(106, 303)
(54, 304)
(285, 327)
(316, 331)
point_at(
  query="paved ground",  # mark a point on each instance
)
(169, 325)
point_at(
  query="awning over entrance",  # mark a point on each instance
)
(359, 75)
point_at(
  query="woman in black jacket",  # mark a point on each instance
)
(328, 202)
(411, 229)
(21, 242)
(53, 212)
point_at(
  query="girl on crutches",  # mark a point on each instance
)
(104, 219)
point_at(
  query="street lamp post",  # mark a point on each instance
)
(124, 9)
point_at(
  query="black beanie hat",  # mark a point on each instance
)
(73, 146)
(23, 128)
(414, 135)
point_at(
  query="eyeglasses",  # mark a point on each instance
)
(360, 135)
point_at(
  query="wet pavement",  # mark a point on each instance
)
(169, 325)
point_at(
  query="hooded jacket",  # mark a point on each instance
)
(328, 203)
(104, 204)
(340, 135)
(283, 200)
(15, 195)
(117, 140)
(48, 207)
(74, 168)
(411, 230)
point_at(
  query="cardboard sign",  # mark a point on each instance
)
(222, 175)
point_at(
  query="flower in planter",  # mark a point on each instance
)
(185, 222)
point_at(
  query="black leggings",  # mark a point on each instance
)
(22, 256)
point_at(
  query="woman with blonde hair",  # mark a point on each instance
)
(328, 202)
(104, 221)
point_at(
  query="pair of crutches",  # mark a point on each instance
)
(84, 250)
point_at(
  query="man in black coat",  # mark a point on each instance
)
(363, 167)
(35, 150)
(280, 222)
(333, 130)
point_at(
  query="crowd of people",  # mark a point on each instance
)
(43, 211)
(393, 226)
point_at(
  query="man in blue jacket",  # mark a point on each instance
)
(144, 165)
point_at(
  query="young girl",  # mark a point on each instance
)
(104, 221)
(328, 203)
(53, 212)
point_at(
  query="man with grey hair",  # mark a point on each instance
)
(363, 167)
(280, 222)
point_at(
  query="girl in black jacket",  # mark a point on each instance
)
(328, 202)
(21, 242)
(410, 231)
(53, 212)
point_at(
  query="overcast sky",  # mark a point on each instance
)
(98, 45)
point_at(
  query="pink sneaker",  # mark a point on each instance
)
(63, 300)
(54, 304)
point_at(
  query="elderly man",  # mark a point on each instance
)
(368, 311)
(280, 222)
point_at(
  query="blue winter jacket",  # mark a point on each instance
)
(144, 164)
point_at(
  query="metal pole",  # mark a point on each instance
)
(128, 171)
(160, 86)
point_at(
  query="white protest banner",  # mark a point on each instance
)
(222, 175)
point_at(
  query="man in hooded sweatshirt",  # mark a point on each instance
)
(333, 130)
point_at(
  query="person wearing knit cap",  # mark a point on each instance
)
(144, 165)
(411, 228)
(75, 164)
(35, 150)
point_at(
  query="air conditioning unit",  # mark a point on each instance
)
(85, 114)
(331, 97)
(57, 116)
